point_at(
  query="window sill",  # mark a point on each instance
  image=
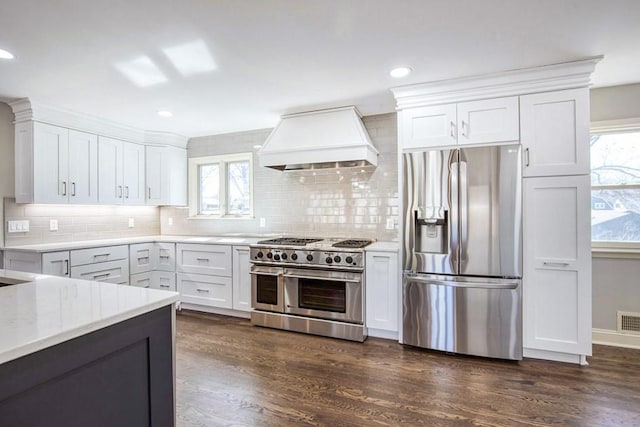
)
(619, 253)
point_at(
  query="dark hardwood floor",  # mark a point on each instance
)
(230, 373)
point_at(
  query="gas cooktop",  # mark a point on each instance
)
(315, 242)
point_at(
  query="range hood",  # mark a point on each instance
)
(334, 138)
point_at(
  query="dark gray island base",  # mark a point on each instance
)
(121, 375)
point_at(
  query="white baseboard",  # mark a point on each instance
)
(223, 311)
(381, 333)
(615, 338)
(578, 359)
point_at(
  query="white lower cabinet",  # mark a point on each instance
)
(204, 274)
(110, 271)
(141, 280)
(162, 280)
(56, 263)
(202, 289)
(52, 263)
(382, 289)
(241, 279)
(557, 268)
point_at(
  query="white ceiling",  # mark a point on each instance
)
(278, 56)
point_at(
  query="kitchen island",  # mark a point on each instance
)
(76, 352)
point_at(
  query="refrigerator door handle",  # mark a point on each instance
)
(460, 284)
(454, 217)
(464, 210)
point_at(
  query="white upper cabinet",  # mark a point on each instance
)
(121, 172)
(155, 172)
(55, 165)
(555, 133)
(176, 176)
(466, 123)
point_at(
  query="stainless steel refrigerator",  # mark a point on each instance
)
(462, 250)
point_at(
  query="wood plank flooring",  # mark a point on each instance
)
(230, 373)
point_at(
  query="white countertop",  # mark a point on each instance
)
(49, 310)
(383, 247)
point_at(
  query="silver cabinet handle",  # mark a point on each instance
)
(119, 192)
(101, 276)
(203, 290)
(201, 259)
(105, 254)
(149, 192)
(66, 263)
(526, 156)
(126, 191)
(556, 264)
(64, 188)
(73, 189)
(165, 286)
(453, 129)
(465, 127)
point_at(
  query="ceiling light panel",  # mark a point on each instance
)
(142, 71)
(191, 58)
(5, 54)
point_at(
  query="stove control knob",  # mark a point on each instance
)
(349, 260)
(294, 257)
(337, 258)
(329, 260)
(276, 257)
(309, 257)
(259, 254)
(284, 256)
(269, 255)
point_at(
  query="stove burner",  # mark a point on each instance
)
(292, 241)
(352, 243)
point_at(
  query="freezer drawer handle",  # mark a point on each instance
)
(462, 284)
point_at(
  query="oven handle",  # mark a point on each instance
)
(260, 273)
(335, 279)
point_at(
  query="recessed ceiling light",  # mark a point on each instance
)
(165, 113)
(5, 54)
(400, 72)
(257, 146)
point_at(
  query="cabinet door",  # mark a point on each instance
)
(141, 257)
(488, 121)
(204, 259)
(428, 127)
(212, 291)
(555, 133)
(110, 187)
(155, 175)
(50, 163)
(241, 279)
(165, 257)
(83, 167)
(382, 290)
(133, 169)
(557, 264)
(177, 173)
(56, 263)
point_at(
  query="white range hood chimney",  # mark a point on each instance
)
(334, 138)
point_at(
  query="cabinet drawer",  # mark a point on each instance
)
(112, 271)
(29, 262)
(204, 259)
(166, 257)
(141, 257)
(94, 255)
(163, 280)
(213, 291)
(142, 280)
(56, 263)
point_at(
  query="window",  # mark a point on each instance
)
(615, 188)
(221, 186)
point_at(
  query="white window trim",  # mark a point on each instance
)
(615, 249)
(194, 192)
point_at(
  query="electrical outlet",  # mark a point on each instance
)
(390, 224)
(131, 223)
(263, 222)
(170, 221)
(18, 226)
(53, 225)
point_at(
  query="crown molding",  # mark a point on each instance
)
(567, 75)
(26, 109)
(618, 125)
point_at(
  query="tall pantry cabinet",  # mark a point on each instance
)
(547, 109)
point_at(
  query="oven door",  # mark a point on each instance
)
(267, 288)
(334, 295)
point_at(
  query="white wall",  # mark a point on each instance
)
(616, 282)
(6, 159)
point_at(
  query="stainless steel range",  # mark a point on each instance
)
(315, 286)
